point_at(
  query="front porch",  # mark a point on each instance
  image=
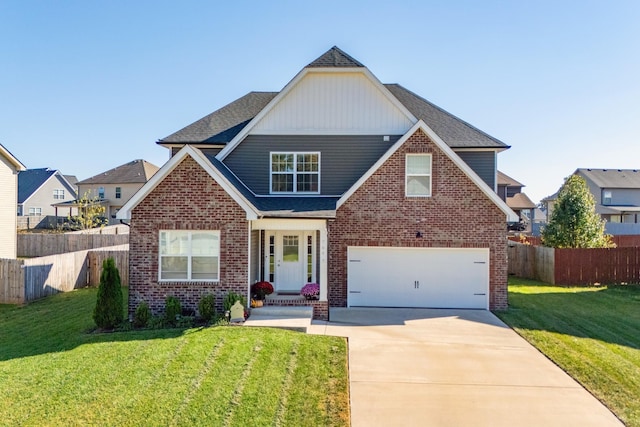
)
(290, 253)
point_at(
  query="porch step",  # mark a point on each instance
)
(275, 316)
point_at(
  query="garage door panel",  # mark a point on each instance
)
(418, 277)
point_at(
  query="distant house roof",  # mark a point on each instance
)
(30, 180)
(612, 178)
(221, 126)
(520, 201)
(73, 180)
(506, 180)
(11, 158)
(136, 171)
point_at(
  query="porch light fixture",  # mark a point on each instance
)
(418, 234)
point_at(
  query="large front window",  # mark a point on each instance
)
(190, 255)
(295, 172)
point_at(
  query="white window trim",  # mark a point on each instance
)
(189, 255)
(58, 194)
(407, 175)
(295, 173)
(35, 211)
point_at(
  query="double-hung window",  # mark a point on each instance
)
(58, 194)
(118, 192)
(418, 175)
(189, 255)
(295, 173)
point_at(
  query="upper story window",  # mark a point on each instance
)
(35, 211)
(295, 173)
(118, 192)
(606, 197)
(189, 255)
(58, 194)
(101, 193)
(418, 175)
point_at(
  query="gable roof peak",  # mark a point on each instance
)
(335, 57)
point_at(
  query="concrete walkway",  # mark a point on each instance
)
(421, 367)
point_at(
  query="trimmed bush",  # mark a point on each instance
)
(142, 315)
(207, 307)
(108, 312)
(173, 310)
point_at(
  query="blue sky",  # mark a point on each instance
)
(87, 86)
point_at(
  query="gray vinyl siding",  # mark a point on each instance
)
(343, 159)
(483, 163)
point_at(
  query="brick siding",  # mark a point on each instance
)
(457, 215)
(186, 199)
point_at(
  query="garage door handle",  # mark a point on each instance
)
(479, 262)
(479, 295)
(355, 292)
(354, 260)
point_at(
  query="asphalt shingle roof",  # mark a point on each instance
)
(504, 179)
(335, 57)
(613, 178)
(30, 180)
(136, 171)
(224, 124)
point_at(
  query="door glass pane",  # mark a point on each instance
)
(290, 248)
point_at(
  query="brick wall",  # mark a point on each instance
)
(458, 214)
(187, 199)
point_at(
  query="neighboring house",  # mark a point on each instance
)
(617, 196)
(510, 191)
(9, 168)
(40, 189)
(116, 186)
(368, 189)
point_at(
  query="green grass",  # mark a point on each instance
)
(593, 333)
(54, 371)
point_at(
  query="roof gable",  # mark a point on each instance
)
(506, 180)
(11, 159)
(30, 180)
(136, 171)
(420, 125)
(334, 57)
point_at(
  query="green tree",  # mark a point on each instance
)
(574, 222)
(90, 212)
(109, 305)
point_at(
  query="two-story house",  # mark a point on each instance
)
(510, 191)
(367, 189)
(40, 189)
(617, 196)
(113, 188)
(9, 169)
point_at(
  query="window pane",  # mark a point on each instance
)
(307, 182)
(307, 163)
(282, 183)
(418, 164)
(418, 186)
(174, 243)
(290, 248)
(204, 244)
(204, 268)
(173, 267)
(282, 162)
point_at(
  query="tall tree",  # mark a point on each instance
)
(574, 222)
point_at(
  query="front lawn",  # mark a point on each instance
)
(53, 371)
(593, 333)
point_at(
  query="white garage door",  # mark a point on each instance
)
(418, 277)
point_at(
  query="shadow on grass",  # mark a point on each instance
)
(608, 313)
(60, 323)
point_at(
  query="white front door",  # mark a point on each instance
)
(289, 260)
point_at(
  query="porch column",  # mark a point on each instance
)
(324, 284)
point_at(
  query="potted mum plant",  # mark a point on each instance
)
(310, 291)
(260, 290)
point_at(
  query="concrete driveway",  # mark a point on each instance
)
(422, 367)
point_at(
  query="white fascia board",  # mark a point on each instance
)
(285, 91)
(167, 168)
(493, 196)
(15, 162)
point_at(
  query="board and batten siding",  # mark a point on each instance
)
(334, 103)
(343, 158)
(483, 163)
(8, 209)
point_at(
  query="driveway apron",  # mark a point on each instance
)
(432, 367)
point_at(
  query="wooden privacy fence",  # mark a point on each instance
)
(575, 266)
(39, 245)
(22, 281)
